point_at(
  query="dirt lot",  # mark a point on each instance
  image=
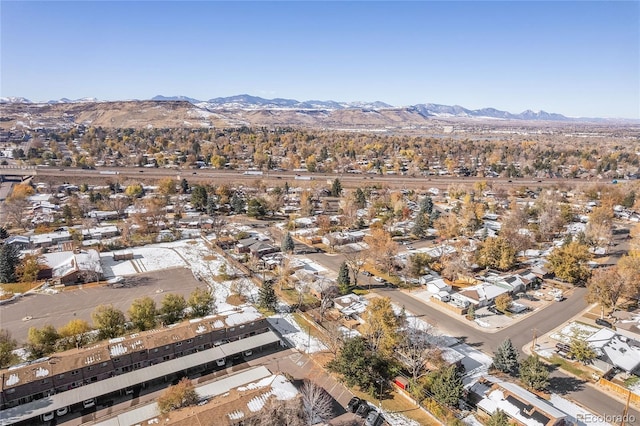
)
(79, 302)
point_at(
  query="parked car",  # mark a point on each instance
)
(604, 323)
(374, 419)
(62, 411)
(367, 274)
(562, 347)
(353, 404)
(46, 417)
(363, 409)
(378, 279)
(221, 362)
(88, 403)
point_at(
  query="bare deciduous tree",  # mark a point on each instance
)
(317, 404)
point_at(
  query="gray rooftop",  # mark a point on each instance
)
(113, 384)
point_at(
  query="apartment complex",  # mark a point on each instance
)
(140, 359)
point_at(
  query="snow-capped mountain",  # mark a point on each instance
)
(246, 102)
(436, 110)
(14, 100)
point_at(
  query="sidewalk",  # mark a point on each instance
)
(545, 346)
(477, 323)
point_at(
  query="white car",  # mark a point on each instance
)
(221, 362)
(62, 411)
(46, 417)
(88, 403)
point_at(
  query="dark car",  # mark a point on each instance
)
(374, 419)
(363, 409)
(563, 347)
(604, 323)
(353, 404)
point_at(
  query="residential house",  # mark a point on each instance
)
(69, 267)
(482, 294)
(522, 406)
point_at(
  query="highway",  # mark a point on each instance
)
(348, 180)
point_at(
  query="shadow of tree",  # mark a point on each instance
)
(565, 385)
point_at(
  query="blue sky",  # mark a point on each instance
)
(575, 58)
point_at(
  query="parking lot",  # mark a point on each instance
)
(79, 301)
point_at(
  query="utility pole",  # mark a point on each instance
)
(626, 409)
(533, 342)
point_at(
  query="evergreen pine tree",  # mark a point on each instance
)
(8, 261)
(534, 374)
(498, 418)
(237, 203)
(211, 206)
(336, 188)
(419, 225)
(360, 199)
(471, 312)
(447, 386)
(267, 298)
(505, 358)
(287, 243)
(344, 281)
(184, 186)
(426, 205)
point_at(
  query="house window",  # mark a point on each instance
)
(90, 368)
(116, 360)
(232, 329)
(199, 337)
(252, 324)
(73, 373)
(190, 341)
(43, 381)
(166, 348)
(179, 344)
(242, 326)
(155, 350)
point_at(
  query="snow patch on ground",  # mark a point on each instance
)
(574, 329)
(291, 331)
(193, 254)
(396, 419)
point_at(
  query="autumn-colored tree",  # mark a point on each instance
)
(568, 262)
(503, 302)
(181, 395)
(380, 325)
(600, 227)
(497, 253)
(382, 248)
(447, 226)
(606, 287)
(167, 186)
(74, 333)
(22, 190)
(109, 321)
(143, 313)
(28, 268)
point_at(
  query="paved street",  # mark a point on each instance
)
(520, 333)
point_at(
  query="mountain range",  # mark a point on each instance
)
(248, 102)
(246, 110)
